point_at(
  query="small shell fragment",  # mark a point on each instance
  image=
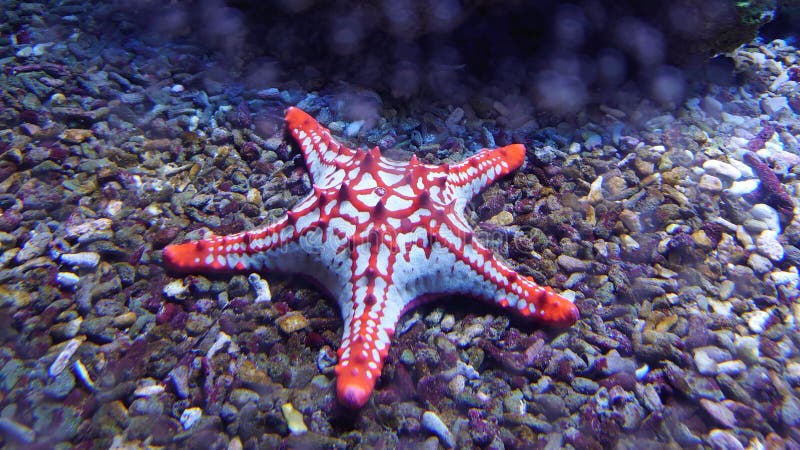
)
(63, 358)
(294, 419)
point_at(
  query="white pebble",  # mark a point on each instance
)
(742, 187)
(67, 279)
(747, 347)
(756, 320)
(432, 423)
(705, 365)
(176, 289)
(733, 367)
(768, 245)
(629, 243)
(176, 88)
(766, 214)
(710, 183)
(261, 288)
(759, 264)
(789, 277)
(722, 169)
(190, 417)
(86, 260)
(222, 340)
(746, 170)
(772, 105)
(63, 358)
(353, 128)
(149, 390)
(642, 372)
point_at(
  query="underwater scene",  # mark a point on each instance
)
(377, 224)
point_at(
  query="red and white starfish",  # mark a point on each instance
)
(381, 236)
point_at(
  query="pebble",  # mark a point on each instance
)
(222, 340)
(732, 367)
(722, 169)
(571, 264)
(710, 183)
(742, 187)
(75, 135)
(148, 390)
(190, 417)
(704, 363)
(77, 230)
(756, 320)
(432, 423)
(789, 277)
(724, 440)
(67, 279)
(176, 289)
(711, 106)
(760, 264)
(16, 431)
(292, 321)
(768, 245)
(502, 219)
(773, 105)
(294, 419)
(260, 287)
(631, 220)
(747, 348)
(595, 194)
(768, 215)
(629, 243)
(83, 374)
(36, 245)
(124, 320)
(719, 412)
(85, 260)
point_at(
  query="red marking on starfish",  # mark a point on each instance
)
(381, 236)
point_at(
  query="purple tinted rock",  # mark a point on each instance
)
(771, 188)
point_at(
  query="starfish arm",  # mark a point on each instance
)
(472, 175)
(246, 251)
(477, 272)
(321, 151)
(280, 246)
(370, 317)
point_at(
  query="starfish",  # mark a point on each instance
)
(380, 236)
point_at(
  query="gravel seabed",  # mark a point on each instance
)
(673, 227)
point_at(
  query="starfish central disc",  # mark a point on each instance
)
(390, 234)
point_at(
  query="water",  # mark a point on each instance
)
(657, 195)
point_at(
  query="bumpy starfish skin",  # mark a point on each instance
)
(380, 236)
